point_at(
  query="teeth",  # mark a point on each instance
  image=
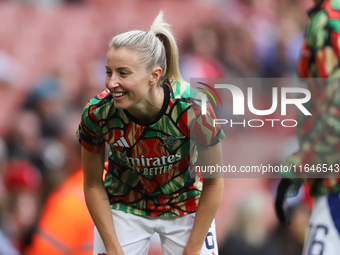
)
(118, 94)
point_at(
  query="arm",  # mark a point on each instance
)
(97, 200)
(209, 201)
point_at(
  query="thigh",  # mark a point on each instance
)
(175, 232)
(323, 236)
(133, 232)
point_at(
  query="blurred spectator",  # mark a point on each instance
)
(12, 94)
(9, 70)
(23, 183)
(26, 140)
(252, 233)
(279, 59)
(46, 99)
(3, 162)
(249, 233)
(239, 51)
(202, 51)
(6, 246)
(65, 226)
(289, 239)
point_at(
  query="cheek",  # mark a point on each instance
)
(143, 89)
(107, 81)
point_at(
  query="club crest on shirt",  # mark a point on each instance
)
(171, 140)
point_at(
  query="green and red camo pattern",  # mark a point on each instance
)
(149, 174)
(319, 134)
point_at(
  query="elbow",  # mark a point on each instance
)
(217, 184)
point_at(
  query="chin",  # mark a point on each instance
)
(120, 106)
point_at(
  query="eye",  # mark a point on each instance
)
(122, 73)
(108, 73)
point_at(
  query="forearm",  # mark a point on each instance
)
(100, 210)
(208, 205)
(97, 200)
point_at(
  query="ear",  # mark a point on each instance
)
(155, 75)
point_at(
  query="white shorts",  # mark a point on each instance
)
(324, 227)
(134, 233)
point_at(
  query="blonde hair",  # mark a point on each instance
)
(157, 47)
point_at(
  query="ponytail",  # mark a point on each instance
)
(163, 32)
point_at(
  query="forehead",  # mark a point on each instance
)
(123, 56)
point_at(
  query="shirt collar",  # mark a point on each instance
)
(315, 9)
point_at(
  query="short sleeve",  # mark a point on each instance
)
(89, 133)
(206, 131)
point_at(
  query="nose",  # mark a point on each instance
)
(112, 82)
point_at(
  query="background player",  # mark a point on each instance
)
(319, 137)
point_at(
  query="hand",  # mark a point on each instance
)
(116, 251)
(113, 253)
(286, 188)
(189, 250)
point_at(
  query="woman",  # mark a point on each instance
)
(145, 116)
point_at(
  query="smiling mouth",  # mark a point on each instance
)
(118, 94)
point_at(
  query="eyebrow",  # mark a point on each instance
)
(120, 68)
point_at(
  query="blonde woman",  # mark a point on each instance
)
(143, 116)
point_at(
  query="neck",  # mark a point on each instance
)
(317, 1)
(151, 106)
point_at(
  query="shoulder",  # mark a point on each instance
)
(183, 90)
(333, 14)
(185, 98)
(102, 98)
(332, 8)
(328, 14)
(99, 106)
(324, 25)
